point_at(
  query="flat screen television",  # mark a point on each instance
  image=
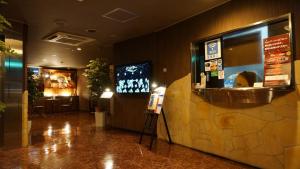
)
(133, 78)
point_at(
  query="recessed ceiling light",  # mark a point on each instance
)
(79, 49)
(44, 60)
(79, 0)
(54, 55)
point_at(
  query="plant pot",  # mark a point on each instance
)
(99, 119)
(97, 109)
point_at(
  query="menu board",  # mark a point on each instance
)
(278, 58)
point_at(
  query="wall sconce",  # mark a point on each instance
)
(154, 85)
(107, 94)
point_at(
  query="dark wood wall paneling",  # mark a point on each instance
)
(170, 47)
(297, 27)
(129, 109)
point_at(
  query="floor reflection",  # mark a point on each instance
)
(70, 141)
(108, 162)
(49, 131)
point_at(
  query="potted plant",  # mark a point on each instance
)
(2, 107)
(97, 74)
(35, 89)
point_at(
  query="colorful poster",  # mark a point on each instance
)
(220, 67)
(214, 73)
(213, 49)
(213, 65)
(278, 57)
(207, 66)
(221, 74)
(153, 101)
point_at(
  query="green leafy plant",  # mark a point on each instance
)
(4, 24)
(2, 107)
(97, 74)
(34, 86)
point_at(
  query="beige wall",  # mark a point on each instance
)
(82, 91)
(267, 136)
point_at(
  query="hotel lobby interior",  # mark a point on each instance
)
(198, 84)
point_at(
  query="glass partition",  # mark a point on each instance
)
(259, 55)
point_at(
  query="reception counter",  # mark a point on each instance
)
(264, 135)
(240, 97)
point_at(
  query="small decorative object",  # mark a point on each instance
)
(203, 80)
(197, 86)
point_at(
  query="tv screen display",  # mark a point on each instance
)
(133, 78)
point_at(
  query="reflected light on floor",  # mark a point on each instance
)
(67, 129)
(108, 162)
(54, 148)
(69, 144)
(46, 149)
(49, 131)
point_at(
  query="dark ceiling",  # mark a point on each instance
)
(48, 16)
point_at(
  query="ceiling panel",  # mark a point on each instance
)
(49, 16)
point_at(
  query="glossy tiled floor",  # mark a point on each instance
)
(71, 142)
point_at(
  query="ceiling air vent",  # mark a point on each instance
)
(120, 15)
(67, 39)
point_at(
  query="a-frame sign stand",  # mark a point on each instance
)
(152, 117)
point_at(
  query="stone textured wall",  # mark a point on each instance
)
(266, 136)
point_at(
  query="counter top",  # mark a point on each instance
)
(240, 97)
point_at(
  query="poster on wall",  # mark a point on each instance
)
(207, 66)
(221, 74)
(278, 58)
(213, 49)
(213, 65)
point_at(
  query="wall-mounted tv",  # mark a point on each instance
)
(133, 78)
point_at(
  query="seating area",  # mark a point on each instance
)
(59, 104)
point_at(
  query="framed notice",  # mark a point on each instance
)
(278, 58)
(213, 49)
(153, 101)
(156, 100)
